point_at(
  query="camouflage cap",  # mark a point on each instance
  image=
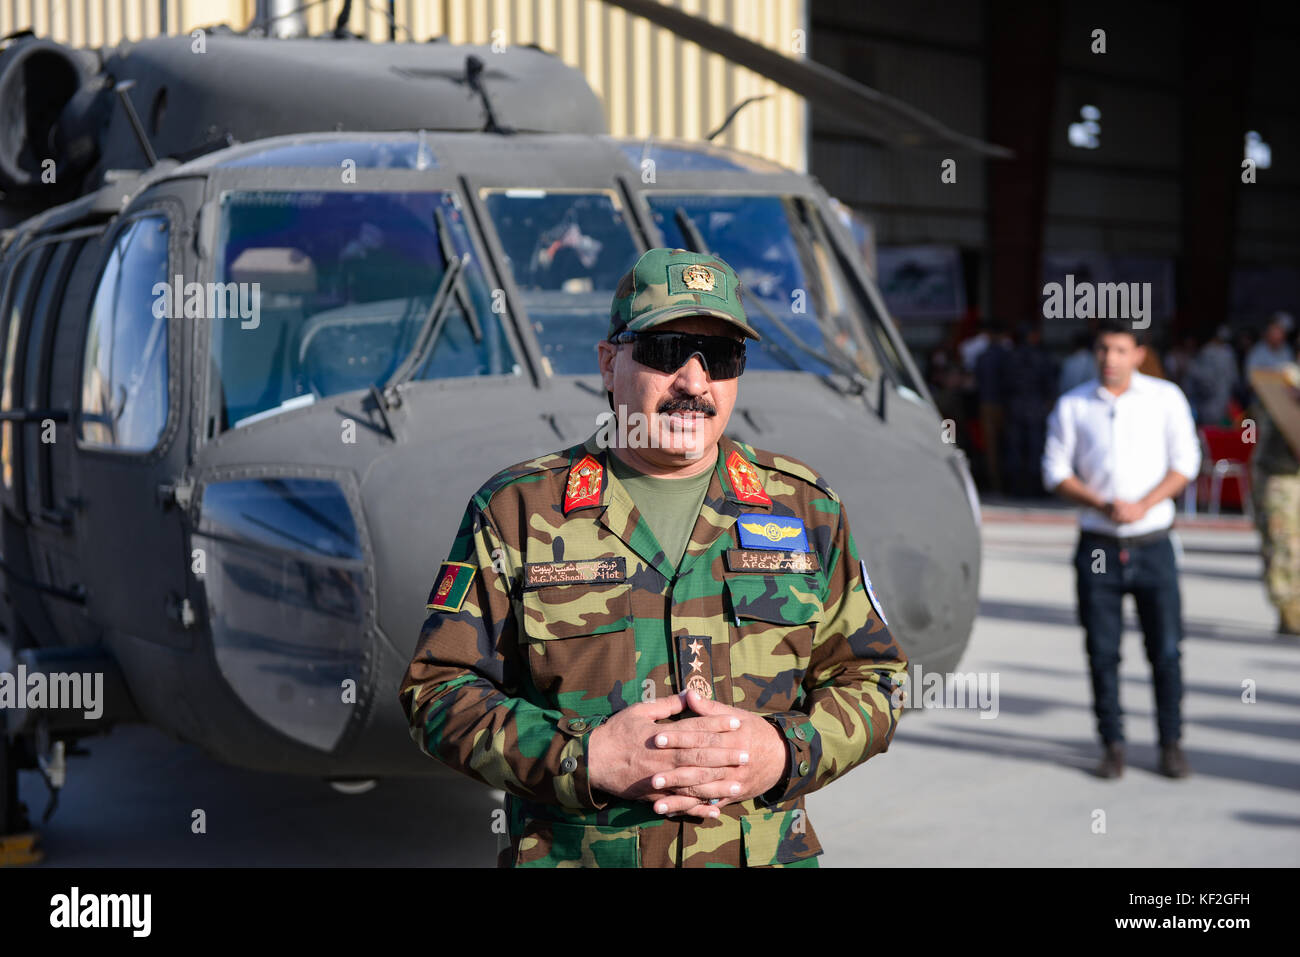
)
(673, 284)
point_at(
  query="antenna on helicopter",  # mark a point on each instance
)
(474, 78)
(123, 93)
(341, 24)
(732, 115)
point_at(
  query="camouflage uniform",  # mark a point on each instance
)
(557, 608)
(1275, 485)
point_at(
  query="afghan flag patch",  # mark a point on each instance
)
(452, 586)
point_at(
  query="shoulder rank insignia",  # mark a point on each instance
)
(744, 480)
(695, 664)
(761, 530)
(583, 487)
(452, 586)
(871, 593)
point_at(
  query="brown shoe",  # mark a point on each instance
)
(1112, 765)
(1173, 764)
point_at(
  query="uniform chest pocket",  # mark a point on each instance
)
(782, 599)
(579, 637)
(773, 621)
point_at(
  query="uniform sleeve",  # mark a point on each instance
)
(854, 670)
(1058, 450)
(461, 692)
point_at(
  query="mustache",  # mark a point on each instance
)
(687, 404)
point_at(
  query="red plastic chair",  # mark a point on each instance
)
(1224, 455)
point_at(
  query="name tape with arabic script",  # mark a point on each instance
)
(770, 560)
(589, 571)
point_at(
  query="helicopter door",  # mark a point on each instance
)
(26, 620)
(42, 384)
(131, 434)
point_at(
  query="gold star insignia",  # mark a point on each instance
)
(697, 665)
(695, 647)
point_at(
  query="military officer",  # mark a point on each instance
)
(659, 641)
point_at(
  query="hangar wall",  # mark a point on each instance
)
(1131, 202)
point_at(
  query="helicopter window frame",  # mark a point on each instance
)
(789, 201)
(889, 349)
(492, 236)
(823, 262)
(166, 211)
(474, 293)
(38, 359)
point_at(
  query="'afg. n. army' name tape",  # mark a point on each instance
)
(770, 560)
(591, 571)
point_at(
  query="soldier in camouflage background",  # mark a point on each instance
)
(658, 649)
(1275, 486)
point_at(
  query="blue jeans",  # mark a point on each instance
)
(1148, 572)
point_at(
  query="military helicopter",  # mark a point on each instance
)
(261, 339)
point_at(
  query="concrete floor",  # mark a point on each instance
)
(954, 789)
(957, 789)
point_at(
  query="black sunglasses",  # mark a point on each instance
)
(723, 358)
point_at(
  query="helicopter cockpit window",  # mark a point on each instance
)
(376, 152)
(335, 289)
(691, 157)
(286, 591)
(124, 375)
(567, 252)
(790, 285)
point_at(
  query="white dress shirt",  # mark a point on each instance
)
(1121, 446)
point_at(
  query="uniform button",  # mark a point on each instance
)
(798, 733)
(569, 765)
(803, 767)
(577, 724)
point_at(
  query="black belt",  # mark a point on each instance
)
(1133, 541)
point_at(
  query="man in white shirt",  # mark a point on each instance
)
(1124, 446)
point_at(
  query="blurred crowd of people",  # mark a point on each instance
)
(999, 385)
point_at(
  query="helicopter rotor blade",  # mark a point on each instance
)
(881, 117)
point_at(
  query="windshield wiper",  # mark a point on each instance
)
(448, 254)
(693, 236)
(436, 317)
(844, 368)
(804, 235)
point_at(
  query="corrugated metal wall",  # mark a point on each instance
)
(652, 82)
(927, 53)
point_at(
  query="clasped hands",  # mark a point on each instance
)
(724, 754)
(1122, 513)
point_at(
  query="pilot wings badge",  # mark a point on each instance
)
(760, 530)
